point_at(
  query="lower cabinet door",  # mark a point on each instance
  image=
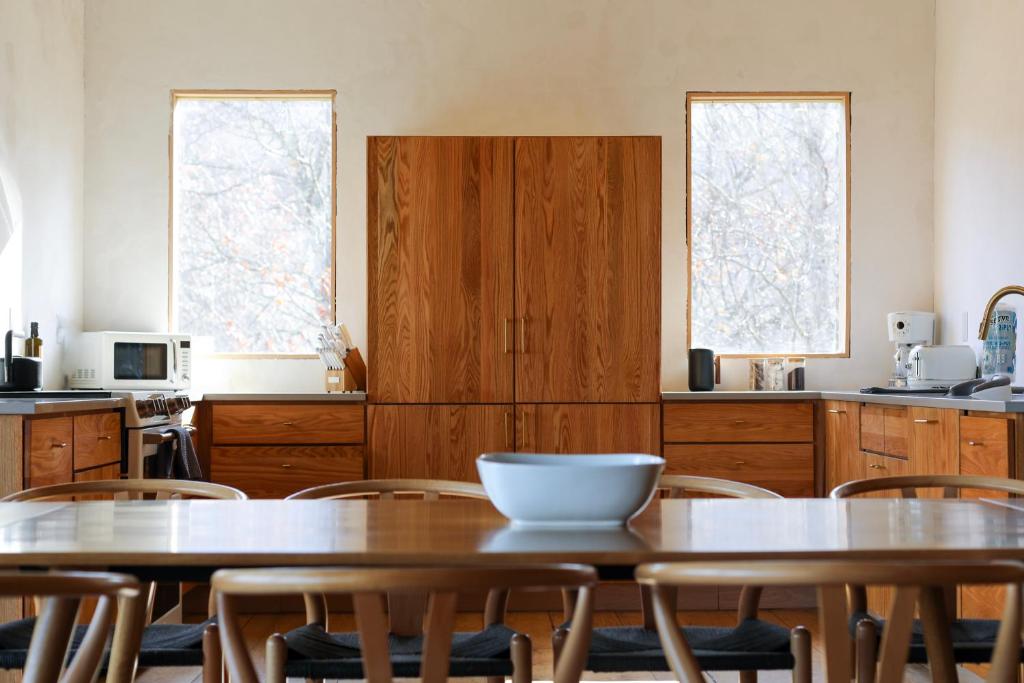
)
(435, 441)
(277, 471)
(787, 469)
(588, 428)
(880, 598)
(50, 443)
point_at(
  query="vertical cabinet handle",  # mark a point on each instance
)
(505, 336)
(522, 335)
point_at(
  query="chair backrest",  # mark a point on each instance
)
(368, 588)
(907, 486)
(159, 489)
(918, 585)
(429, 489)
(62, 594)
(679, 485)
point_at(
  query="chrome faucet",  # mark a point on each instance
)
(990, 306)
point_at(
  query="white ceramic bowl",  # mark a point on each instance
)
(536, 489)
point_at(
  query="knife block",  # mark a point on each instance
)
(351, 378)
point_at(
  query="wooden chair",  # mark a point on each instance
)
(43, 653)
(428, 489)
(405, 610)
(158, 645)
(973, 639)
(376, 656)
(751, 645)
(918, 585)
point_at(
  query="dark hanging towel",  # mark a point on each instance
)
(176, 458)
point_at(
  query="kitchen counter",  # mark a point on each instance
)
(923, 400)
(283, 397)
(50, 406)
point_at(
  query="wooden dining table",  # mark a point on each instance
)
(185, 540)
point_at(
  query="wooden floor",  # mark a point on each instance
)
(539, 626)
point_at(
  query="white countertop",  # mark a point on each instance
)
(284, 397)
(923, 400)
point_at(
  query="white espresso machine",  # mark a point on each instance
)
(908, 329)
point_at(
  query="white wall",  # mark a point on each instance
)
(979, 160)
(498, 67)
(41, 166)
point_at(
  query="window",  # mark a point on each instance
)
(252, 219)
(767, 211)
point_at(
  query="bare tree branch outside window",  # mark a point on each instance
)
(768, 225)
(253, 221)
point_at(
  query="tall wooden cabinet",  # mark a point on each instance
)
(514, 298)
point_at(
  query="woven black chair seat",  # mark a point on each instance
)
(973, 639)
(750, 646)
(314, 653)
(163, 645)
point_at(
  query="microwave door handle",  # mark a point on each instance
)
(174, 363)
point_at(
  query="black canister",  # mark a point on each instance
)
(702, 369)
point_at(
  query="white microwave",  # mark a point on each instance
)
(131, 361)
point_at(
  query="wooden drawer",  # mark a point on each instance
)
(721, 422)
(275, 472)
(50, 445)
(97, 440)
(280, 423)
(883, 430)
(784, 468)
(588, 428)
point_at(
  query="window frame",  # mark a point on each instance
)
(757, 97)
(224, 94)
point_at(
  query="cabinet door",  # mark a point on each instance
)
(588, 428)
(588, 264)
(440, 269)
(933, 443)
(97, 440)
(50, 447)
(843, 460)
(880, 597)
(436, 441)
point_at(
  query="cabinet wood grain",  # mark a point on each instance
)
(883, 430)
(287, 423)
(588, 263)
(50, 448)
(932, 443)
(440, 269)
(277, 471)
(97, 439)
(725, 422)
(872, 428)
(787, 469)
(843, 459)
(588, 428)
(896, 429)
(435, 441)
(880, 598)
(985, 449)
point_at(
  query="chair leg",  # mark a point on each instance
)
(522, 658)
(277, 654)
(866, 644)
(558, 639)
(213, 660)
(800, 645)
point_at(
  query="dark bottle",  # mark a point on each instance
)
(33, 343)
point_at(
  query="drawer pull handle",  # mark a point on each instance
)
(876, 467)
(286, 466)
(288, 424)
(739, 422)
(836, 412)
(59, 444)
(975, 443)
(105, 437)
(924, 421)
(741, 462)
